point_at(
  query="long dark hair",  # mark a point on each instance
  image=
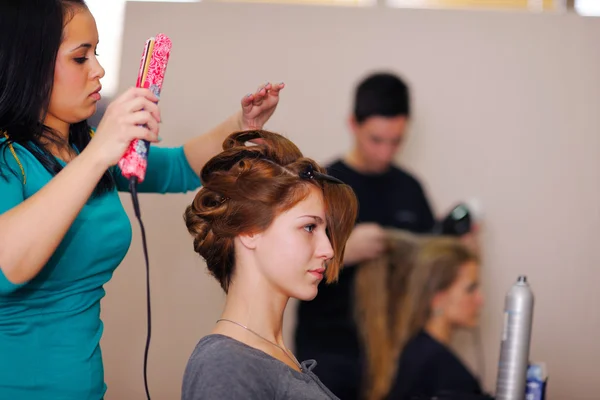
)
(31, 32)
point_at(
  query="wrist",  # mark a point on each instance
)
(238, 120)
(93, 161)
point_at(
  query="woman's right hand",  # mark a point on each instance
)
(133, 115)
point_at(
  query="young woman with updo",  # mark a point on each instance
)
(271, 225)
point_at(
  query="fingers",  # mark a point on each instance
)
(262, 92)
(377, 248)
(258, 141)
(135, 92)
(142, 103)
(247, 101)
(141, 132)
(276, 88)
(147, 122)
(372, 230)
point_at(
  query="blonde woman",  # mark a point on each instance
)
(425, 290)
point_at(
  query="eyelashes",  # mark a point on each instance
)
(82, 60)
(312, 228)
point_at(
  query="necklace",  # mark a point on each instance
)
(291, 357)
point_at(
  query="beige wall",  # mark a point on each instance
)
(506, 111)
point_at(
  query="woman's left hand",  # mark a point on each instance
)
(258, 107)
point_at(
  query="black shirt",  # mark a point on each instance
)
(428, 369)
(326, 328)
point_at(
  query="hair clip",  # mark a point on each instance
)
(310, 173)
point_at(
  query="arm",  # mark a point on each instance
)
(256, 110)
(168, 172)
(176, 171)
(366, 242)
(31, 229)
(28, 232)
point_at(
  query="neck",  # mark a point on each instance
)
(440, 330)
(59, 144)
(257, 307)
(357, 162)
(354, 160)
(60, 128)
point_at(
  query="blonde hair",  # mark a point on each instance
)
(393, 295)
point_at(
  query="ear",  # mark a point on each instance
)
(250, 240)
(438, 301)
(353, 124)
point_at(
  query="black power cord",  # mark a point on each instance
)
(136, 208)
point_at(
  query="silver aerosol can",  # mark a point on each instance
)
(516, 336)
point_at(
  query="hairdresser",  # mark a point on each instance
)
(63, 229)
(388, 196)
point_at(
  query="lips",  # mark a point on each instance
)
(317, 272)
(96, 93)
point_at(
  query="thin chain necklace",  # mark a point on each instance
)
(291, 357)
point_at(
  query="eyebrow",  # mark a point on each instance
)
(317, 219)
(83, 45)
(86, 45)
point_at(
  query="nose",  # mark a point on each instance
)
(479, 299)
(97, 71)
(324, 249)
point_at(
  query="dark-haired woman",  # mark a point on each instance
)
(63, 230)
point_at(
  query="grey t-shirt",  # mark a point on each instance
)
(223, 368)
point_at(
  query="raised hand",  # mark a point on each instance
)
(258, 107)
(133, 115)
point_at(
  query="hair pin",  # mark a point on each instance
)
(310, 173)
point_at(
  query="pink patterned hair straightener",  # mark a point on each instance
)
(134, 162)
(151, 75)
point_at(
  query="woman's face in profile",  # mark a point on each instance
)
(292, 252)
(463, 300)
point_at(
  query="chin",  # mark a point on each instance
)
(86, 111)
(91, 111)
(472, 324)
(306, 295)
(377, 168)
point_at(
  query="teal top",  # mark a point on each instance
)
(50, 327)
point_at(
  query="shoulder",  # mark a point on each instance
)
(422, 350)
(442, 363)
(341, 170)
(335, 166)
(216, 352)
(407, 177)
(414, 370)
(221, 367)
(12, 149)
(14, 159)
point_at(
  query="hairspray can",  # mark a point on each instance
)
(516, 336)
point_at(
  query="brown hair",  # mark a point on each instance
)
(393, 299)
(246, 187)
